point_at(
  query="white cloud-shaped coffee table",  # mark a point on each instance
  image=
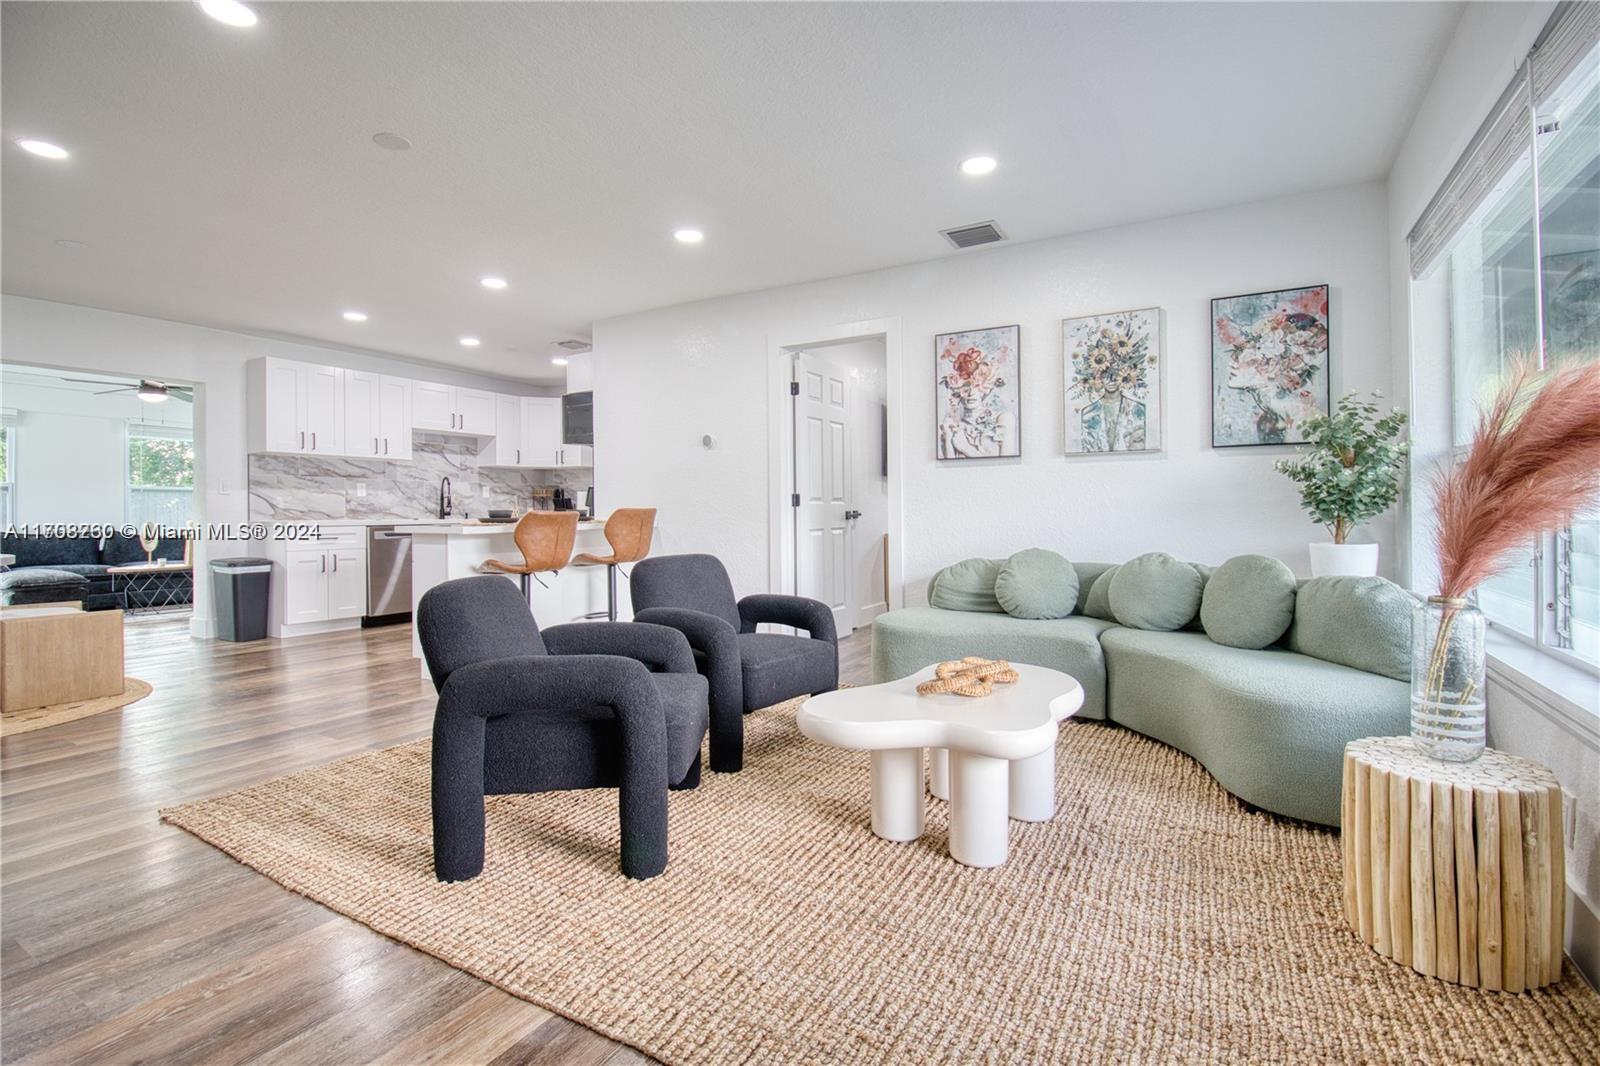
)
(1001, 762)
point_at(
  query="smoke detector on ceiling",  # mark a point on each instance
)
(974, 235)
(574, 345)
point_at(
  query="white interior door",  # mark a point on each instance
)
(822, 483)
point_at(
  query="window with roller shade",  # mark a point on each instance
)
(1511, 249)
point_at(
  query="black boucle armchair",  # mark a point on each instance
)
(592, 705)
(747, 670)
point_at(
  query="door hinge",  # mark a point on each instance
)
(794, 500)
(794, 388)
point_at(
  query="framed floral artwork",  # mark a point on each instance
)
(978, 393)
(1113, 382)
(1269, 365)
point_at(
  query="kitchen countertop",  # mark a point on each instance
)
(470, 527)
(409, 522)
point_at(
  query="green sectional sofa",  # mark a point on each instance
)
(1270, 723)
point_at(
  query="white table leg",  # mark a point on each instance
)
(1033, 787)
(978, 808)
(939, 773)
(897, 793)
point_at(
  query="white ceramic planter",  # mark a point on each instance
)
(1344, 560)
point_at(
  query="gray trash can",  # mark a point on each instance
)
(239, 593)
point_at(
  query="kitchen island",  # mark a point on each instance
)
(443, 551)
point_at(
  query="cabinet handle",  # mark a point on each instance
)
(324, 564)
(313, 440)
(386, 446)
(336, 564)
(519, 456)
(374, 445)
(302, 440)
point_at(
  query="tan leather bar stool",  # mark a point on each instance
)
(545, 539)
(628, 531)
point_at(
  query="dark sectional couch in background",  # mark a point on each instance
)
(55, 569)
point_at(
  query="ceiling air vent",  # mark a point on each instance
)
(973, 235)
(574, 345)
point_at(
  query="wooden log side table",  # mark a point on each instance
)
(1455, 869)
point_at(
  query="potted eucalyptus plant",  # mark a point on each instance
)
(1348, 473)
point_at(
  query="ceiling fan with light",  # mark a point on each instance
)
(147, 390)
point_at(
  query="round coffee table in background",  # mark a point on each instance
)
(1002, 750)
(1455, 869)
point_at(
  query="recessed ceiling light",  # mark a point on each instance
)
(392, 141)
(689, 236)
(978, 165)
(65, 243)
(355, 316)
(43, 148)
(558, 360)
(492, 282)
(230, 12)
(470, 342)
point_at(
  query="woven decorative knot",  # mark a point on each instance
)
(971, 676)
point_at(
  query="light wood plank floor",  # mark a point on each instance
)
(124, 940)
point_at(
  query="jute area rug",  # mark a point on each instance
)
(1154, 919)
(13, 722)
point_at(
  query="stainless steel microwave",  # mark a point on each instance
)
(577, 418)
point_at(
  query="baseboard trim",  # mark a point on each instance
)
(1583, 937)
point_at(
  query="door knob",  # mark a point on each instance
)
(851, 515)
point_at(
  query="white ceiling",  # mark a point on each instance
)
(227, 177)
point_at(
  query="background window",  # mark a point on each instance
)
(8, 490)
(160, 475)
(1536, 234)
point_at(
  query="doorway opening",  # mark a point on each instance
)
(837, 471)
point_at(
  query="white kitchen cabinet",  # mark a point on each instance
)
(475, 411)
(278, 407)
(452, 409)
(433, 407)
(305, 593)
(347, 583)
(506, 448)
(394, 417)
(324, 581)
(324, 409)
(575, 455)
(377, 415)
(295, 407)
(541, 431)
(361, 413)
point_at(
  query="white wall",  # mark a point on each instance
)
(70, 468)
(667, 376)
(1525, 717)
(43, 333)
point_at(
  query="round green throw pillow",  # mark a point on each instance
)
(1097, 604)
(1037, 583)
(1155, 591)
(1249, 602)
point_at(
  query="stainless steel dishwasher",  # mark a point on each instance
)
(388, 574)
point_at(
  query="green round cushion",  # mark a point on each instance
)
(1155, 591)
(1249, 602)
(1037, 583)
(966, 586)
(1097, 603)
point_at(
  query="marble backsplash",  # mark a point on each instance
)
(298, 487)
